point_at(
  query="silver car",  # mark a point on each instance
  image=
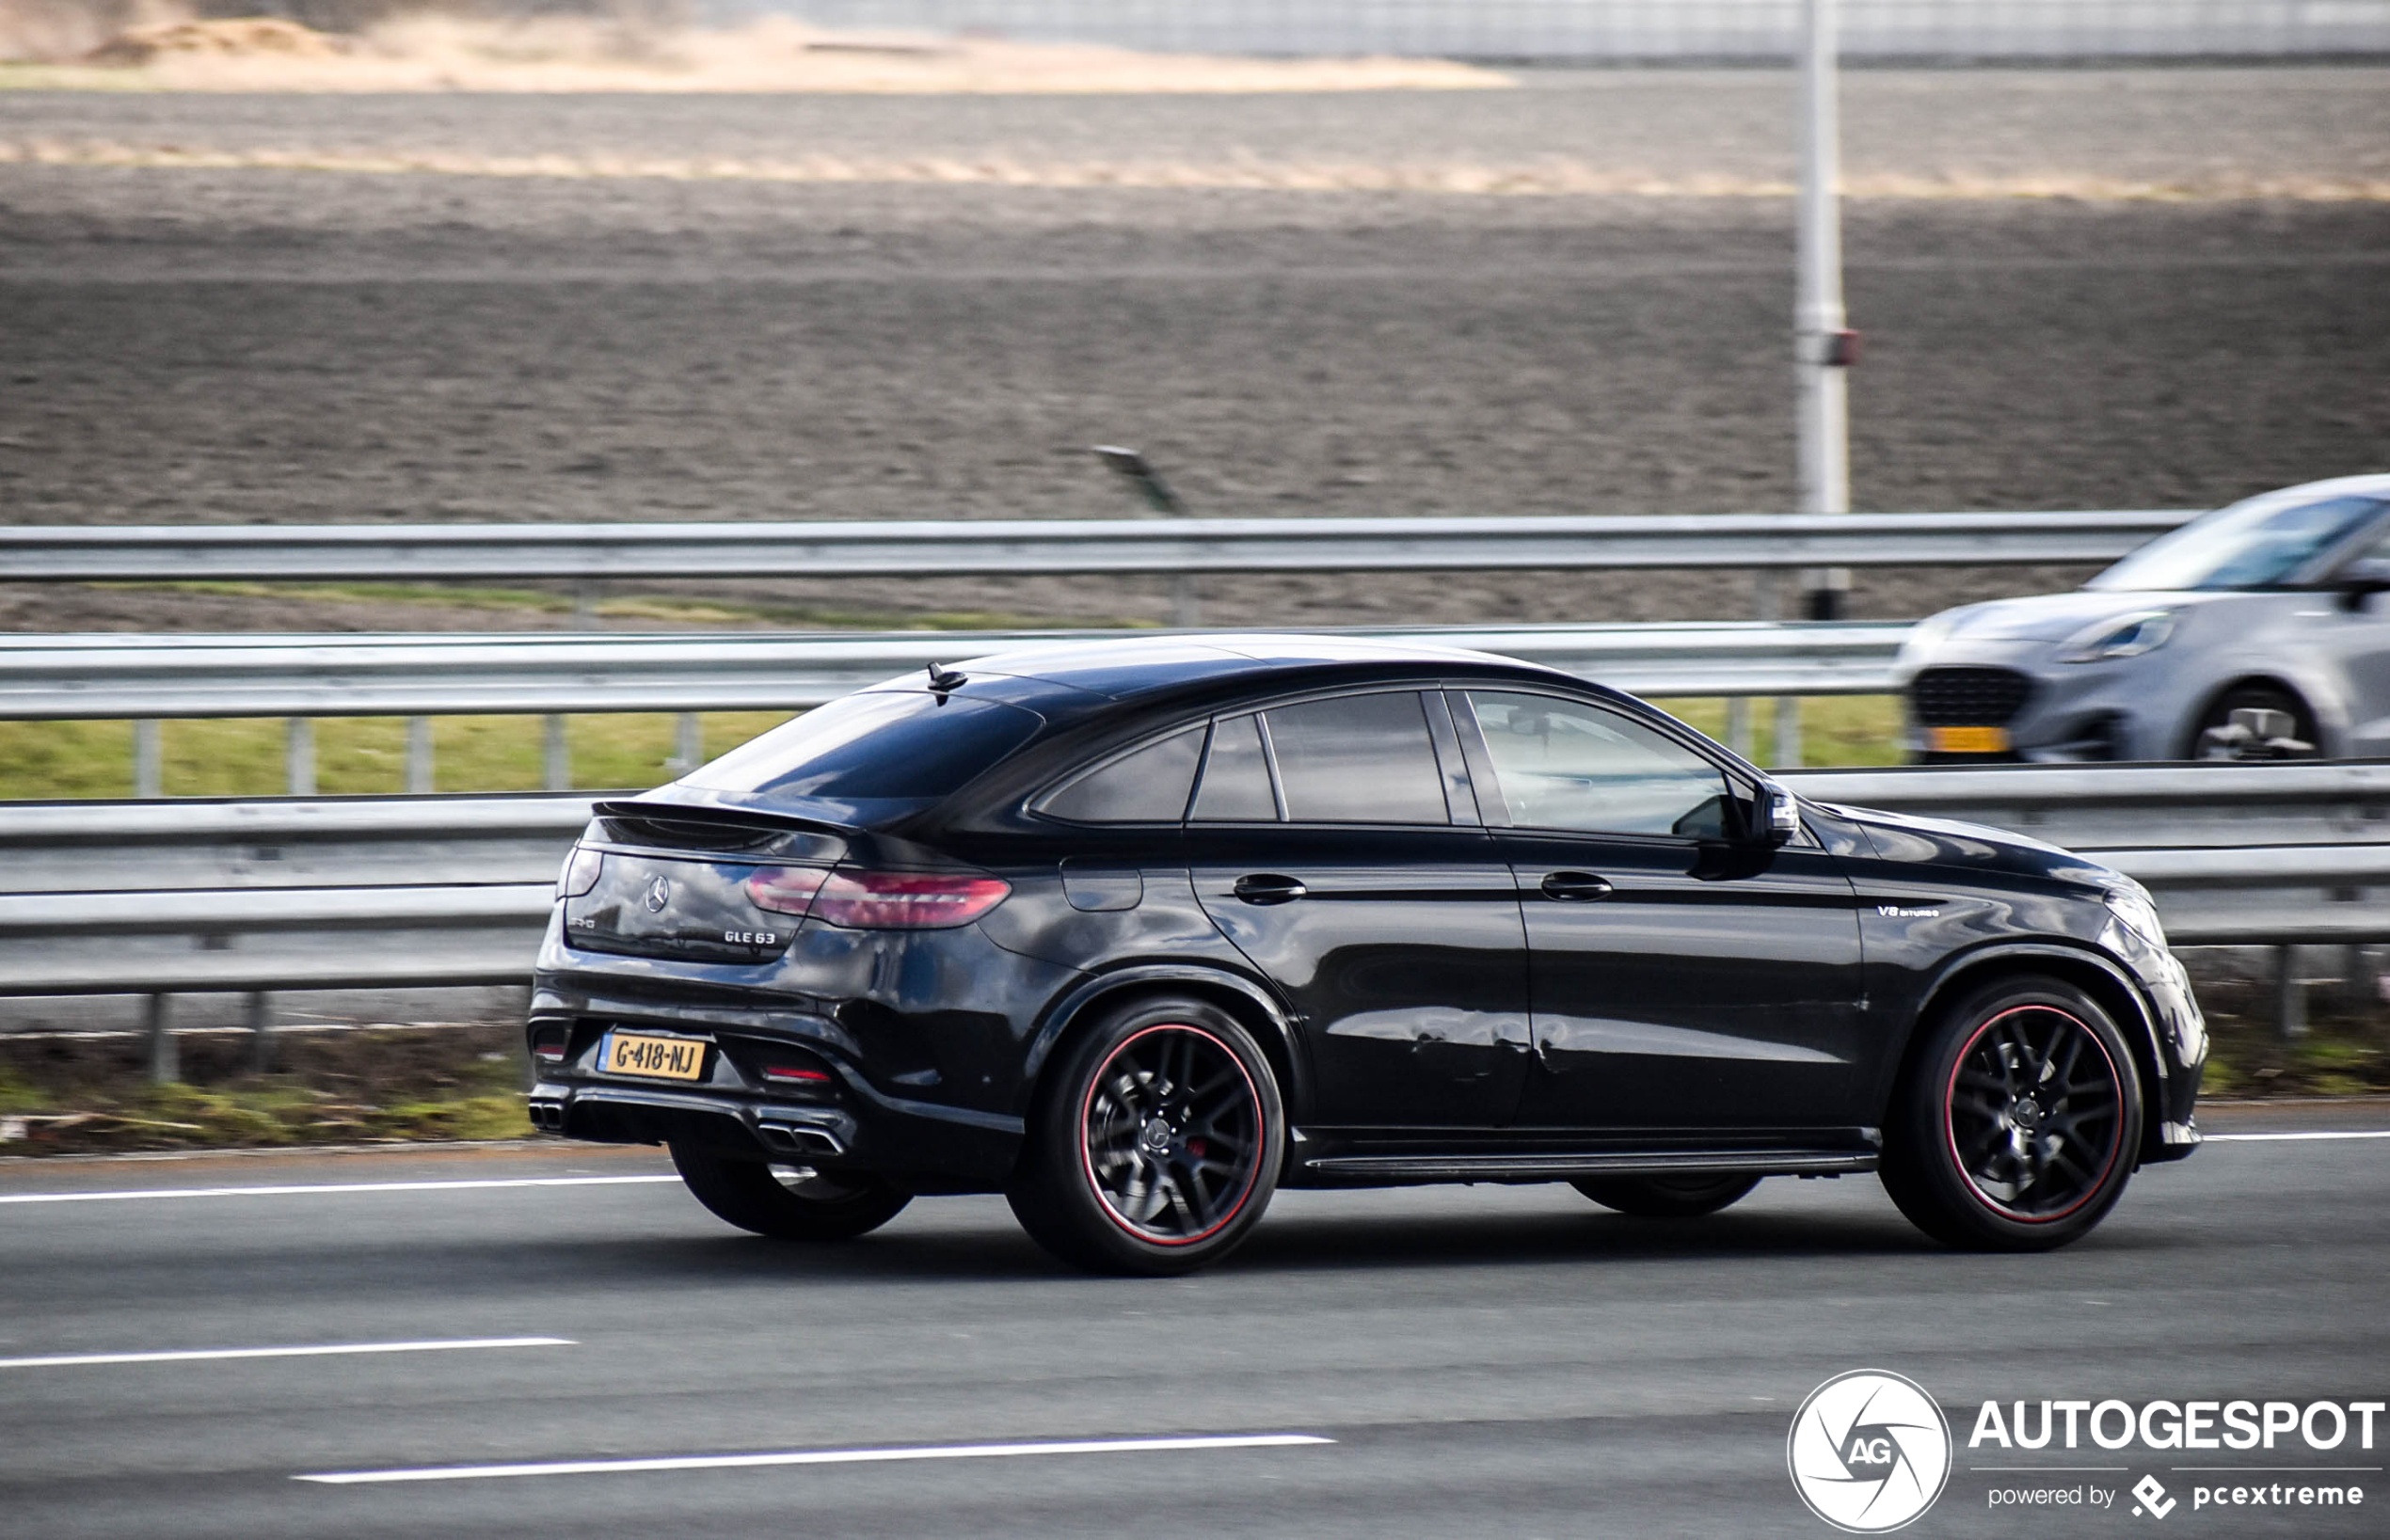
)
(2252, 632)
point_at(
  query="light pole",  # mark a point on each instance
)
(1823, 346)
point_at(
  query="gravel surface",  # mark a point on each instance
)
(237, 344)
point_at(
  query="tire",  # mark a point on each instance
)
(2215, 738)
(1154, 1144)
(2020, 1121)
(788, 1203)
(1666, 1197)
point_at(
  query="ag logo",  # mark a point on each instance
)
(658, 895)
(1869, 1451)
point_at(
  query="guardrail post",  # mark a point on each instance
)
(299, 755)
(164, 1066)
(556, 761)
(2290, 994)
(261, 1033)
(1738, 725)
(149, 776)
(586, 593)
(2360, 982)
(419, 754)
(1788, 733)
(1767, 605)
(689, 743)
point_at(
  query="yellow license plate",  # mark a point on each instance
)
(659, 1058)
(1966, 739)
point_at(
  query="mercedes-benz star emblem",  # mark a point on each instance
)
(658, 895)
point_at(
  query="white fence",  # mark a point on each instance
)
(1641, 29)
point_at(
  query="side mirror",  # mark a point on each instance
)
(2360, 580)
(2356, 591)
(1776, 815)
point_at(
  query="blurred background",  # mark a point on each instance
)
(358, 262)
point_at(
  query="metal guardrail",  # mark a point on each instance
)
(156, 898)
(2136, 807)
(159, 897)
(424, 553)
(104, 677)
(148, 678)
(2234, 855)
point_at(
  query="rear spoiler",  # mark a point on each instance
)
(804, 829)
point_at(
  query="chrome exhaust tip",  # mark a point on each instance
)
(800, 1139)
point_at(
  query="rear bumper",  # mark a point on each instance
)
(915, 1145)
(840, 1122)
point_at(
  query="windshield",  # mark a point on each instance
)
(2255, 543)
(881, 743)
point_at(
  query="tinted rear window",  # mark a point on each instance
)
(1358, 759)
(881, 743)
(1147, 787)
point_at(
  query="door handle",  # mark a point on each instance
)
(1269, 888)
(1575, 886)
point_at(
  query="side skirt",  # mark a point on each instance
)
(1559, 1166)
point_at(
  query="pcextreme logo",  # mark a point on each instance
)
(1870, 1450)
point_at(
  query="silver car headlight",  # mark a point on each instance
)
(2133, 910)
(2127, 636)
(1927, 634)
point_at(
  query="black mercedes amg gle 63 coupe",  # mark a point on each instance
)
(1138, 932)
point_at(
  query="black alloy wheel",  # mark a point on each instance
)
(1687, 1196)
(2021, 1122)
(789, 1203)
(1156, 1145)
(2283, 729)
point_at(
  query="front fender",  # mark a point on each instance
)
(2165, 1102)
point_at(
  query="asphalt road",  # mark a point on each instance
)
(1508, 1363)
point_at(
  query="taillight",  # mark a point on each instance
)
(877, 900)
(787, 890)
(580, 872)
(906, 900)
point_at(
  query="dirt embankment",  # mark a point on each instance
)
(226, 336)
(427, 50)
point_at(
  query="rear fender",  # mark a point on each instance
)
(1250, 1002)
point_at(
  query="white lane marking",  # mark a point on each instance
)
(334, 1187)
(2268, 1138)
(489, 1182)
(329, 1350)
(817, 1457)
